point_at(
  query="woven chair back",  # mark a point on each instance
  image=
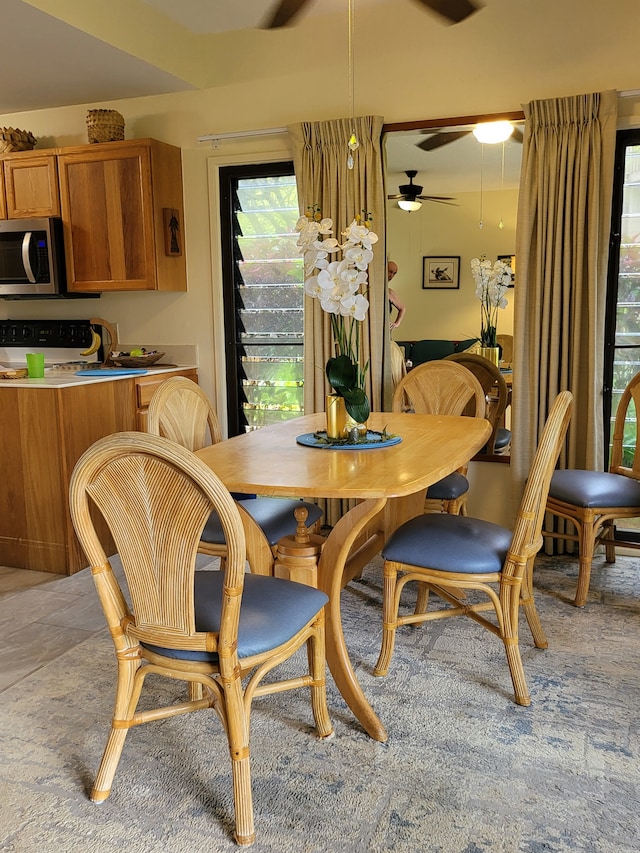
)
(181, 411)
(493, 385)
(527, 538)
(440, 388)
(155, 497)
(625, 450)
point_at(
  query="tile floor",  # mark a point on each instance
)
(43, 615)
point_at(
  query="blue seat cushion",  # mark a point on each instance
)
(594, 489)
(274, 515)
(449, 543)
(272, 611)
(449, 488)
(503, 438)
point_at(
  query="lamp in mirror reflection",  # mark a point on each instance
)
(491, 132)
(410, 205)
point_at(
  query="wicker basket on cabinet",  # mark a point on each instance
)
(105, 126)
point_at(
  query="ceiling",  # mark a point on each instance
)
(83, 69)
(80, 68)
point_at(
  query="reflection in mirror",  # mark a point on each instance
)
(468, 209)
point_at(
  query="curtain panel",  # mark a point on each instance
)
(324, 179)
(562, 240)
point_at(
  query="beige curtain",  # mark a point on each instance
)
(324, 179)
(562, 237)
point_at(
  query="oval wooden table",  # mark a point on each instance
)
(389, 484)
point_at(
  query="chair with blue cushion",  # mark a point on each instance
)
(592, 500)
(181, 411)
(497, 396)
(211, 629)
(442, 388)
(454, 556)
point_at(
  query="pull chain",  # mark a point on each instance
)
(501, 223)
(481, 223)
(354, 143)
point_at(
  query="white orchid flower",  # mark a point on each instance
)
(355, 307)
(312, 288)
(359, 256)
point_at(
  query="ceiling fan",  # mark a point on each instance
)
(445, 137)
(453, 11)
(411, 192)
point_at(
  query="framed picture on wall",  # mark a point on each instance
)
(441, 273)
(510, 260)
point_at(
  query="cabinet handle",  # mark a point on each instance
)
(26, 261)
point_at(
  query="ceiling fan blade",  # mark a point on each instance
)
(396, 196)
(517, 135)
(453, 10)
(436, 197)
(453, 203)
(440, 139)
(284, 13)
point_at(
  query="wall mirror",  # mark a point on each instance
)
(482, 182)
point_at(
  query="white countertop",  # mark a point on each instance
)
(67, 378)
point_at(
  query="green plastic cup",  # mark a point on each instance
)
(35, 365)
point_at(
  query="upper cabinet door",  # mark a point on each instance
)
(3, 198)
(113, 200)
(31, 185)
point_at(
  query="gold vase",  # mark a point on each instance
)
(491, 354)
(336, 416)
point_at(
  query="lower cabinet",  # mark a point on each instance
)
(145, 389)
(44, 433)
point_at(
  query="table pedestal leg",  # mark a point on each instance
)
(335, 556)
(297, 556)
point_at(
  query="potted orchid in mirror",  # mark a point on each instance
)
(492, 281)
(339, 286)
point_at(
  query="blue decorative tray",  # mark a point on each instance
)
(372, 440)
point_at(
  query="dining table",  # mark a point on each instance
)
(387, 484)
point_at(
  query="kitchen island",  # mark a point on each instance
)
(45, 426)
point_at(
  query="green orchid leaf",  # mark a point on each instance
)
(356, 404)
(341, 373)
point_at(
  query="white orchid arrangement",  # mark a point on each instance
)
(492, 281)
(338, 285)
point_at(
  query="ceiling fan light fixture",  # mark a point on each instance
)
(492, 132)
(409, 204)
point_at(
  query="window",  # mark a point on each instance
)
(622, 342)
(263, 295)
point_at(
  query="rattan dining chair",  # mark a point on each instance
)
(181, 411)
(210, 629)
(592, 500)
(497, 397)
(441, 387)
(450, 556)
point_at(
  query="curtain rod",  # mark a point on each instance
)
(241, 134)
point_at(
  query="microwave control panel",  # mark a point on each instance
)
(45, 333)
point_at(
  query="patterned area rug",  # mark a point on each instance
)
(465, 770)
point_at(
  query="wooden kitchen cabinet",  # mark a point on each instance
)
(44, 433)
(3, 197)
(31, 185)
(113, 198)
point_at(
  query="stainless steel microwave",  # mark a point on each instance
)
(32, 257)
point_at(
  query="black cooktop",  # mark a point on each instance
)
(43, 333)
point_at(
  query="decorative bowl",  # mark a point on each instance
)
(136, 360)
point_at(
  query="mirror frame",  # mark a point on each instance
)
(516, 115)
